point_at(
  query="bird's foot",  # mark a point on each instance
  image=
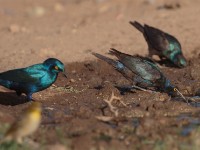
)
(160, 66)
(142, 89)
(29, 97)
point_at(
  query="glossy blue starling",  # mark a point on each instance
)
(32, 79)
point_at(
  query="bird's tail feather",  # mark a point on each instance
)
(116, 64)
(106, 59)
(118, 54)
(137, 25)
(115, 52)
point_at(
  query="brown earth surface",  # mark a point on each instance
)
(75, 114)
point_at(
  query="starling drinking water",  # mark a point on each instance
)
(32, 79)
(162, 44)
(141, 71)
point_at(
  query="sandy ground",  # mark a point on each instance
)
(32, 31)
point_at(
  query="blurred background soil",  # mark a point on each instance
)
(33, 30)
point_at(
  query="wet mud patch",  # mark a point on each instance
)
(77, 114)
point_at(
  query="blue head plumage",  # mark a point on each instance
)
(54, 65)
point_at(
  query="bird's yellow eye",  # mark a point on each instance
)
(56, 67)
(175, 89)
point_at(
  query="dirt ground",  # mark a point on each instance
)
(75, 114)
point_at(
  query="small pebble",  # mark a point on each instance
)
(14, 28)
(58, 7)
(37, 11)
(72, 80)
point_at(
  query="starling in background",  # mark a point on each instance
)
(25, 125)
(32, 79)
(141, 71)
(162, 44)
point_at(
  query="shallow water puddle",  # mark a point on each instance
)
(193, 121)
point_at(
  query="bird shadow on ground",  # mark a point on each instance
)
(165, 63)
(124, 89)
(10, 98)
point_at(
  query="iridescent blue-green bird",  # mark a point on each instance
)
(162, 44)
(32, 79)
(141, 71)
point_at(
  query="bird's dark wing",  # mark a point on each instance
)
(137, 25)
(156, 38)
(173, 40)
(153, 68)
(30, 74)
(144, 58)
(128, 74)
(139, 66)
(147, 70)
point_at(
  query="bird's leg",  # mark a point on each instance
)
(161, 58)
(29, 97)
(150, 55)
(18, 93)
(142, 89)
(152, 52)
(143, 83)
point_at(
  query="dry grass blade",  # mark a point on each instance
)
(105, 118)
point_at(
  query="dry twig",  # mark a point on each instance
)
(113, 108)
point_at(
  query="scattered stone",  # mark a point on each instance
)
(104, 118)
(14, 28)
(23, 29)
(104, 9)
(73, 71)
(170, 6)
(49, 108)
(72, 80)
(58, 7)
(37, 11)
